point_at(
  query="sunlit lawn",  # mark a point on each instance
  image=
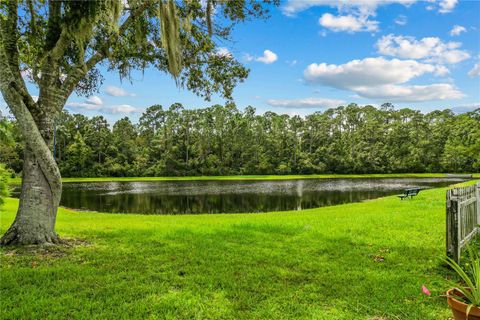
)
(356, 261)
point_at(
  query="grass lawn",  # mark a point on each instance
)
(355, 261)
(258, 177)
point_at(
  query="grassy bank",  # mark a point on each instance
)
(356, 261)
(257, 177)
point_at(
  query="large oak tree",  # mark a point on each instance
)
(59, 45)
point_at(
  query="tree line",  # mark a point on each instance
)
(222, 140)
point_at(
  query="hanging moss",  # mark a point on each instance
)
(170, 36)
(80, 16)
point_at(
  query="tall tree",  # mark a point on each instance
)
(78, 154)
(60, 43)
(221, 140)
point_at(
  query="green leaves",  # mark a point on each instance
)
(348, 139)
(4, 178)
(65, 40)
(470, 275)
(6, 136)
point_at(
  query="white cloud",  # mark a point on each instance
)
(95, 103)
(411, 93)
(380, 78)
(122, 108)
(430, 49)
(456, 30)
(84, 105)
(348, 23)
(292, 7)
(268, 57)
(447, 5)
(353, 15)
(92, 103)
(316, 103)
(475, 72)
(118, 92)
(96, 100)
(401, 20)
(224, 52)
(368, 72)
(444, 6)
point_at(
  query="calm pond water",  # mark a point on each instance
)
(192, 197)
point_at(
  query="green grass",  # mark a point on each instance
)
(355, 261)
(256, 177)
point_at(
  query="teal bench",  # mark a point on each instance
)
(412, 192)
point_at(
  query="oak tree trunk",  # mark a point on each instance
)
(37, 211)
(41, 179)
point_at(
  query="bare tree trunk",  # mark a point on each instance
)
(37, 212)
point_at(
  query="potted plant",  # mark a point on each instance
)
(465, 301)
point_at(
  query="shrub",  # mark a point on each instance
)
(4, 178)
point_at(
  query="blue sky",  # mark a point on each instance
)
(315, 54)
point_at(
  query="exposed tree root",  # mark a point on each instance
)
(46, 251)
(14, 236)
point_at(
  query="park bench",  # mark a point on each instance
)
(409, 193)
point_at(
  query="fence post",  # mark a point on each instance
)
(449, 227)
(453, 243)
(477, 195)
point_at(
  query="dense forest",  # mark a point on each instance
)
(222, 140)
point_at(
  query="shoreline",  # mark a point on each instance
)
(257, 177)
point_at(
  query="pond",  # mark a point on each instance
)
(193, 197)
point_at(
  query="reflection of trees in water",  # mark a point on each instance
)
(223, 203)
(297, 195)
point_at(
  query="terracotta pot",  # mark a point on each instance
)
(459, 309)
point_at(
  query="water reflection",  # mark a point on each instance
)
(192, 197)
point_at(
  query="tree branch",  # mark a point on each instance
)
(8, 40)
(81, 70)
(33, 24)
